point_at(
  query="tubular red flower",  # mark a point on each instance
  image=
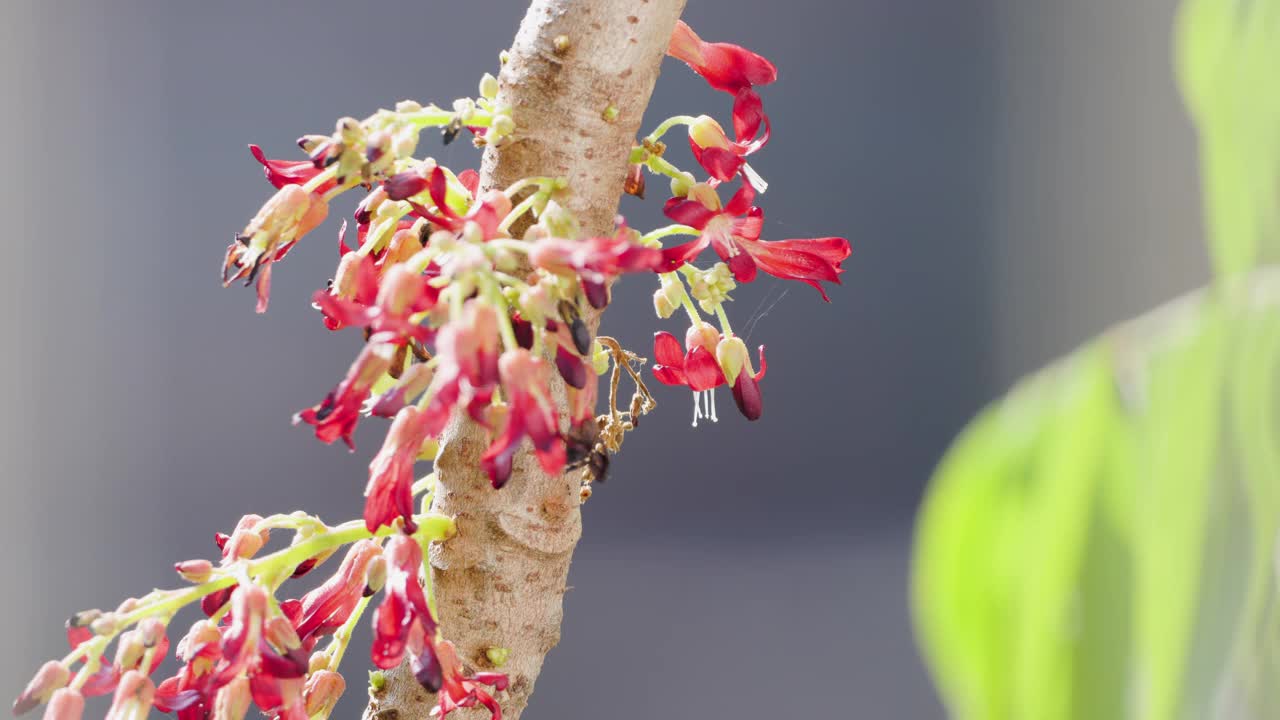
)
(337, 415)
(326, 608)
(289, 215)
(726, 67)
(389, 494)
(486, 211)
(401, 295)
(289, 172)
(458, 691)
(403, 622)
(531, 412)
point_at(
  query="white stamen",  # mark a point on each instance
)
(697, 409)
(711, 400)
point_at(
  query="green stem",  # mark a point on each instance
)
(668, 124)
(654, 236)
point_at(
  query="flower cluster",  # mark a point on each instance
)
(711, 357)
(473, 303)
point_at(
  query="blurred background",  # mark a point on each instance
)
(1014, 176)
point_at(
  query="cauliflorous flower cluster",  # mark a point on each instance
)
(460, 318)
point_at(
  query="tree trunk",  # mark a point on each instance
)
(578, 77)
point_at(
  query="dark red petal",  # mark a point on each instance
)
(702, 369)
(742, 267)
(571, 367)
(597, 292)
(440, 193)
(746, 393)
(404, 185)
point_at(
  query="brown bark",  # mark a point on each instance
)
(578, 78)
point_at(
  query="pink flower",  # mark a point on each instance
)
(531, 411)
(736, 239)
(289, 172)
(403, 622)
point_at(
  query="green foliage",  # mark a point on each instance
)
(1228, 59)
(1102, 543)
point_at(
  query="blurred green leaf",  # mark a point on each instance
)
(1102, 543)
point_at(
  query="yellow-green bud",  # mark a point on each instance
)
(488, 86)
(731, 353)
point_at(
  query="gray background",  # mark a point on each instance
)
(1013, 174)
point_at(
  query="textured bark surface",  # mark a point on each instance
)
(579, 76)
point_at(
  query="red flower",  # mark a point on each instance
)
(403, 622)
(710, 361)
(289, 172)
(486, 211)
(725, 66)
(337, 415)
(459, 691)
(467, 369)
(290, 214)
(595, 261)
(326, 608)
(530, 411)
(736, 239)
(389, 494)
(723, 159)
(402, 294)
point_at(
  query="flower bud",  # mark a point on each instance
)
(701, 335)
(129, 650)
(133, 697)
(280, 633)
(488, 86)
(105, 624)
(497, 201)
(66, 704)
(680, 186)
(233, 700)
(559, 221)
(662, 304)
(705, 194)
(322, 692)
(195, 571)
(319, 661)
(51, 677)
(600, 356)
(732, 355)
(500, 127)
(400, 289)
(375, 576)
(705, 132)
